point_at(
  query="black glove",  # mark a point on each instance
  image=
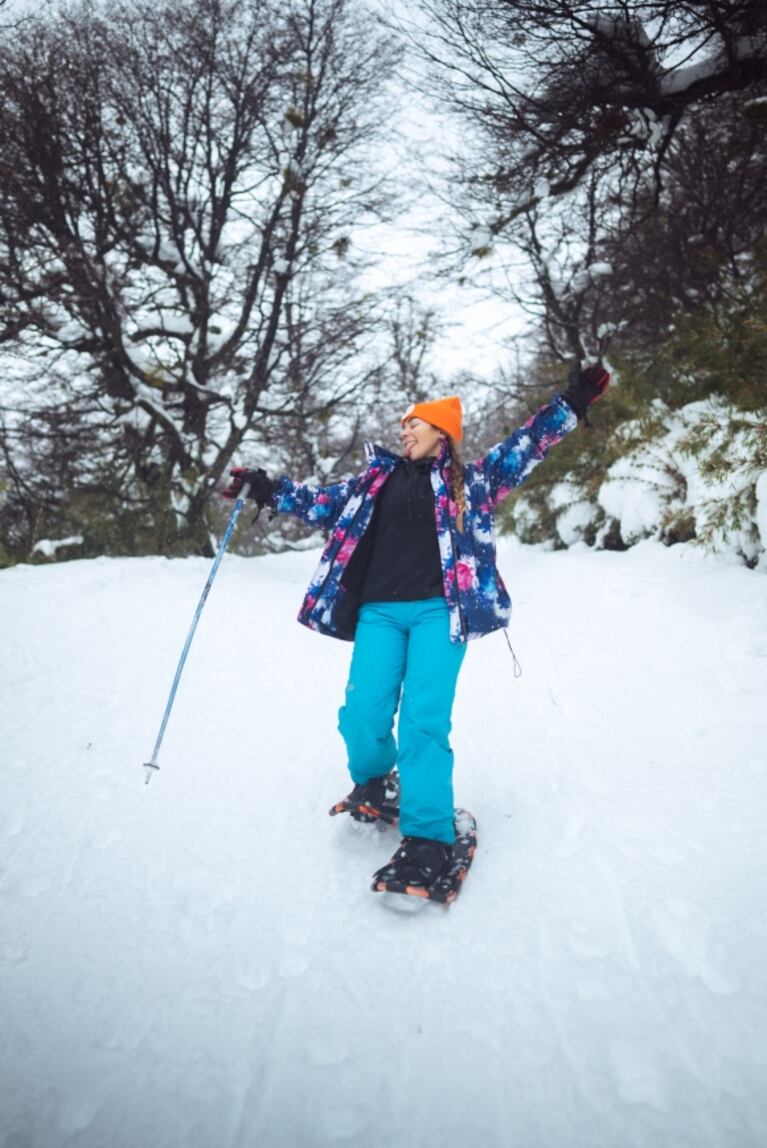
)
(585, 387)
(260, 486)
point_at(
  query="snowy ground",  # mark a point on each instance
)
(200, 963)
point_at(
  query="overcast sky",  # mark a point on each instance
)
(479, 324)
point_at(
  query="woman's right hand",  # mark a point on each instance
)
(259, 486)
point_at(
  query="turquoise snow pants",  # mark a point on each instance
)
(403, 658)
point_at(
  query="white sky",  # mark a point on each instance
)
(479, 324)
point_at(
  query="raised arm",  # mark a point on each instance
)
(508, 464)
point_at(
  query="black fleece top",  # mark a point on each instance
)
(404, 561)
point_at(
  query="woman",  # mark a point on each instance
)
(409, 574)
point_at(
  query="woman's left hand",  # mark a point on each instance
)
(586, 386)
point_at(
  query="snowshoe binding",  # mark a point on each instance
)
(430, 869)
(376, 800)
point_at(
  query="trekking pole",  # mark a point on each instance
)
(151, 765)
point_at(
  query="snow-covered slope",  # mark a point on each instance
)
(199, 962)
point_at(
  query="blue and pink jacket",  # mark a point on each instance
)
(477, 599)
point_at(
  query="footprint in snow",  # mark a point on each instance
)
(325, 1051)
(688, 936)
(11, 824)
(568, 838)
(638, 1075)
(105, 837)
(76, 1113)
(31, 886)
(12, 954)
(592, 989)
(252, 978)
(343, 1122)
(294, 965)
(668, 853)
(199, 893)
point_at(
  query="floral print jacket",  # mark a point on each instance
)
(477, 599)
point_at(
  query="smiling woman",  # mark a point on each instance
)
(422, 439)
(423, 424)
(409, 574)
(419, 439)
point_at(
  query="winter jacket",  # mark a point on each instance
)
(477, 599)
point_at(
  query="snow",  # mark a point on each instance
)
(645, 126)
(742, 49)
(576, 512)
(177, 324)
(49, 546)
(761, 507)
(480, 240)
(72, 331)
(563, 494)
(673, 473)
(680, 79)
(573, 521)
(200, 961)
(168, 251)
(635, 505)
(618, 27)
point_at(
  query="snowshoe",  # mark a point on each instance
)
(376, 800)
(431, 869)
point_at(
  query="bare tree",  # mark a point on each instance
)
(590, 139)
(179, 186)
(562, 92)
(699, 242)
(688, 249)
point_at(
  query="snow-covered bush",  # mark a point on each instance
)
(678, 450)
(697, 479)
(698, 473)
(575, 513)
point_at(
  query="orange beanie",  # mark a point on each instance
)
(444, 414)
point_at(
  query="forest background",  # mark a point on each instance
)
(251, 231)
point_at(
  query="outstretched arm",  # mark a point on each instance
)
(510, 462)
(316, 505)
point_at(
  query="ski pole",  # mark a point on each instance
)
(152, 763)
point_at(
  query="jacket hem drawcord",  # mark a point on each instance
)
(517, 666)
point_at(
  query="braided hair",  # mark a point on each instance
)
(458, 490)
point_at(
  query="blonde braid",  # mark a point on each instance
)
(457, 482)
